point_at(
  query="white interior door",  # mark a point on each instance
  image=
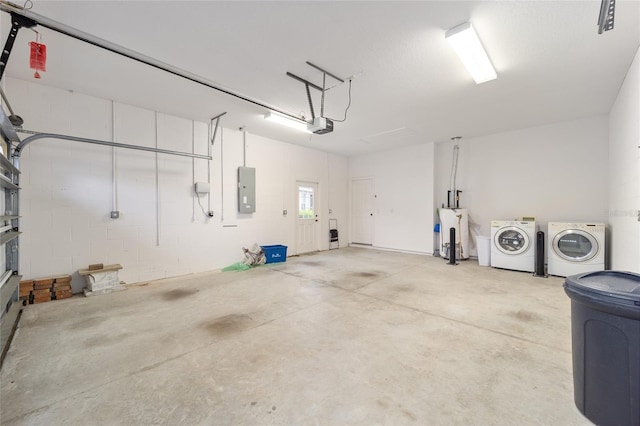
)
(307, 225)
(362, 205)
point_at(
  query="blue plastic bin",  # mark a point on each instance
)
(275, 253)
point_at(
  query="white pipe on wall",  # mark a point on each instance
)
(209, 136)
(193, 172)
(114, 159)
(157, 183)
(244, 147)
(213, 131)
(221, 174)
(454, 173)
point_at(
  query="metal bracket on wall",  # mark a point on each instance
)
(215, 129)
(17, 22)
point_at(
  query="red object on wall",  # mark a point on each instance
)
(38, 58)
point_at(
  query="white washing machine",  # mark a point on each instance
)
(513, 245)
(575, 248)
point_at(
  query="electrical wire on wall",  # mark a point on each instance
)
(204, 212)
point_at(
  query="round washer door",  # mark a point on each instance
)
(575, 245)
(511, 240)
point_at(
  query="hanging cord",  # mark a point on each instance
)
(347, 109)
(200, 203)
(29, 3)
(313, 114)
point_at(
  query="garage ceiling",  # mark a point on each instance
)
(409, 88)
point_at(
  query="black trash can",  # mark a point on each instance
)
(605, 331)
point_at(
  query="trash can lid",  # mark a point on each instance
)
(618, 284)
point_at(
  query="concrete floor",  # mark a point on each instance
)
(349, 336)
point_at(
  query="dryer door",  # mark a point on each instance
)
(511, 240)
(575, 245)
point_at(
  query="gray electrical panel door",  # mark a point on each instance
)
(246, 189)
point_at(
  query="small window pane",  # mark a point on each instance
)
(305, 202)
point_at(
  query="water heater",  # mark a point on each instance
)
(458, 219)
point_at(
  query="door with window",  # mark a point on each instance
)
(362, 205)
(307, 220)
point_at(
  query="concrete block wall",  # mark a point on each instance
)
(69, 190)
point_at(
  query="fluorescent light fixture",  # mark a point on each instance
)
(465, 42)
(287, 121)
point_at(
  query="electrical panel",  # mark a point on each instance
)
(246, 189)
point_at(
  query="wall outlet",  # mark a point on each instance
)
(284, 212)
(115, 214)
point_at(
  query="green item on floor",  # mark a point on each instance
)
(237, 267)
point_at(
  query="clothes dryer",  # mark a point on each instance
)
(575, 248)
(513, 245)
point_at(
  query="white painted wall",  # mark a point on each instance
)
(68, 194)
(403, 185)
(624, 173)
(556, 172)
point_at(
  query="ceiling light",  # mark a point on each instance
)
(287, 121)
(465, 42)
